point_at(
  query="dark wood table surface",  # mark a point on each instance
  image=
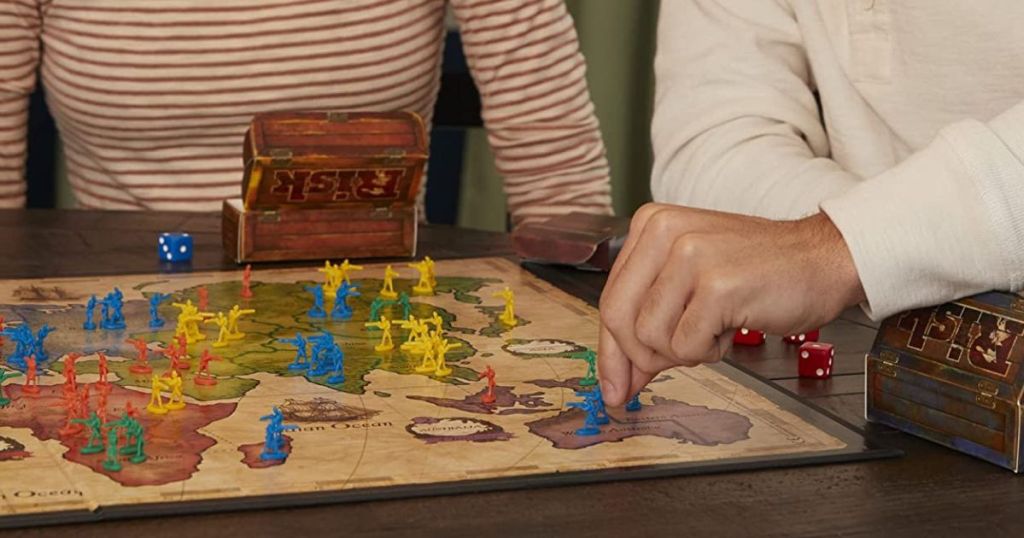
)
(930, 491)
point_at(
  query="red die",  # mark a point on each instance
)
(816, 360)
(748, 337)
(809, 336)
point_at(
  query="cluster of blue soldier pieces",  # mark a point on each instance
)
(593, 406)
(112, 319)
(341, 308)
(325, 357)
(27, 344)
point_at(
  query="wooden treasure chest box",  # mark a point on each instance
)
(952, 374)
(327, 185)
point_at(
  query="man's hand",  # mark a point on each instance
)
(687, 278)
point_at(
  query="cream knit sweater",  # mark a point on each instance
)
(916, 152)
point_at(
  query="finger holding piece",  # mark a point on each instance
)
(613, 368)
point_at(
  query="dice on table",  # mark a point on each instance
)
(748, 337)
(174, 247)
(809, 336)
(816, 360)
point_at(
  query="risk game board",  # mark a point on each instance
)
(385, 431)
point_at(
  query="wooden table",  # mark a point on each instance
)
(929, 492)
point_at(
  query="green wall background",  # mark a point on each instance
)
(617, 38)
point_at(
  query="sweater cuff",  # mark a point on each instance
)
(930, 230)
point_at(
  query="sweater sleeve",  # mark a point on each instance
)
(20, 23)
(736, 125)
(945, 223)
(525, 59)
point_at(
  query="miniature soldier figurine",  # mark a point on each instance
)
(102, 369)
(441, 348)
(154, 316)
(301, 356)
(337, 358)
(488, 398)
(508, 317)
(233, 315)
(428, 363)
(274, 441)
(176, 400)
(385, 339)
(594, 395)
(387, 291)
(31, 377)
(204, 297)
(417, 329)
(90, 308)
(634, 403)
(332, 278)
(135, 439)
(222, 322)
(95, 427)
(113, 462)
(438, 321)
(317, 311)
(591, 358)
(423, 287)
(341, 309)
(203, 376)
(246, 282)
(430, 271)
(344, 269)
(590, 425)
(4, 376)
(141, 365)
(101, 403)
(156, 400)
(70, 376)
(403, 301)
(37, 346)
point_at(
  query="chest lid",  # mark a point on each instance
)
(333, 158)
(980, 339)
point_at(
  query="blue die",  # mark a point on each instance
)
(174, 247)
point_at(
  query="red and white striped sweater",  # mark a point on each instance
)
(152, 97)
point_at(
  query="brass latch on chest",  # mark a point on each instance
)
(987, 392)
(887, 363)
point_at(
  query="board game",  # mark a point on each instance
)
(381, 426)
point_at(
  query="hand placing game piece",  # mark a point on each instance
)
(687, 278)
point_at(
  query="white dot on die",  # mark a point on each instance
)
(161, 239)
(183, 249)
(819, 371)
(744, 331)
(832, 353)
(830, 361)
(166, 249)
(804, 354)
(828, 371)
(169, 256)
(802, 337)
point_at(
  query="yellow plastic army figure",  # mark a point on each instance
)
(388, 290)
(508, 317)
(417, 331)
(344, 269)
(222, 322)
(428, 363)
(385, 339)
(156, 400)
(177, 398)
(233, 315)
(424, 286)
(441, 348)
(437, 320)
(188, 321)
(430, 271)
(332, 278)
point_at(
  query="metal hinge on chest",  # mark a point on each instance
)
(280, 157)
(887, 363)
(987, 392)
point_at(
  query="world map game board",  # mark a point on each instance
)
(386, 430)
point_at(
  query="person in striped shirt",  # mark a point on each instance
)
(152, 98)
